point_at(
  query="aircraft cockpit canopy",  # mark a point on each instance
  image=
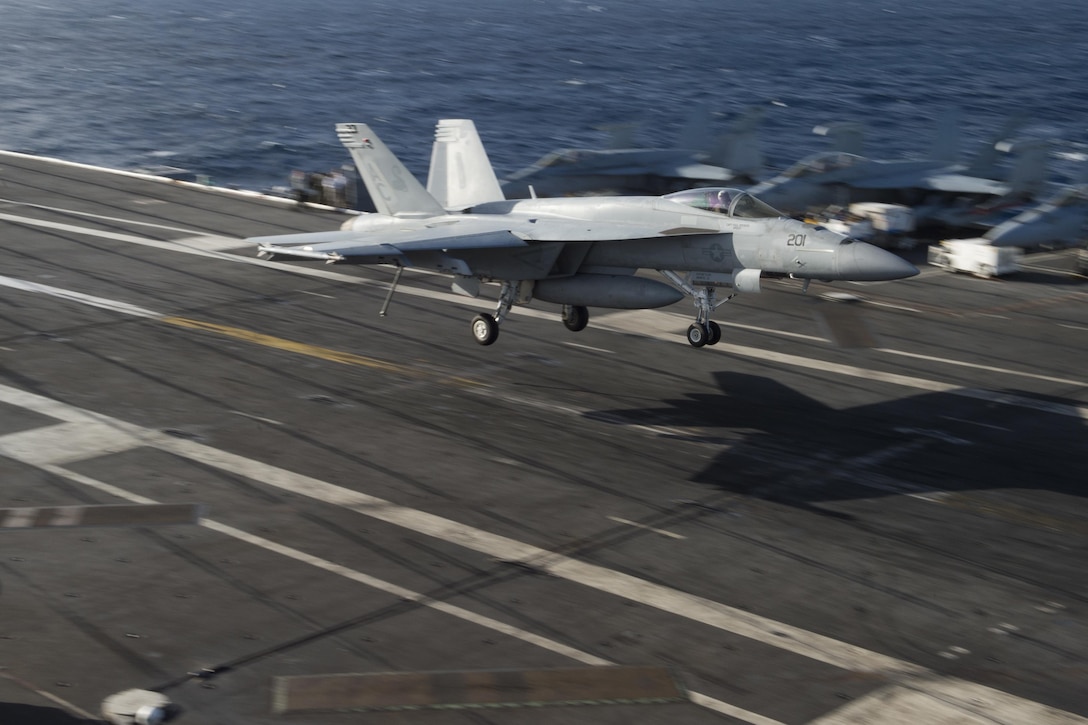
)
(733, 202)
(821, 164)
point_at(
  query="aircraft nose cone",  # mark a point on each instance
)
(865, 263)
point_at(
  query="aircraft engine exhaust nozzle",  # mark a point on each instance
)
(864, 262)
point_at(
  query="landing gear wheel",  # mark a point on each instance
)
(697, 335)
(713, 333)
(485, 329)
(575, 317)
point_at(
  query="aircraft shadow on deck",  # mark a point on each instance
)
(788, 447)
(20, 714)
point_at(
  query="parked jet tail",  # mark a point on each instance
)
(391, 186)
(461, 175)
(739, 149)
(846, 136)
(1028, 176)
(985, 164)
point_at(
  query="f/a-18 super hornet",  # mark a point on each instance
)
(576, 252)
(694, 159)
(935, 187)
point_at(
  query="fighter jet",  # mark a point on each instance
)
(625, 169)
(576, 252)
(1060, 219)
(931, 185)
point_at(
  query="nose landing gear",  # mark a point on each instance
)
(705, 331)
(708, 333)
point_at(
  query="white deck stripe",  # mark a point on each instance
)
(90, 300)
(404, 593)
(698, 609)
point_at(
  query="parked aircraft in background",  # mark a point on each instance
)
(576, 252)
(695, 159)
(930, 185)
(1060, 219)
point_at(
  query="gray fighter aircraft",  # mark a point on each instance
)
(577, 252)
(694, 160)
(1060, 219)
(929, 185)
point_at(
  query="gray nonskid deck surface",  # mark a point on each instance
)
(801, 532)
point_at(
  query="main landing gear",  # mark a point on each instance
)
(485, 327)
(704, 331)
(575, 317)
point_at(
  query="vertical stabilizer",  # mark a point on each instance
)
(739, 150)
(620, 135)
(845, 136)
(1029, 172)
(391, 186)
(985, 162)
(461, 175)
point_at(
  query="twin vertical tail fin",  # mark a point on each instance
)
(461, 175)
(391, 186)
(1029, 172)
(739, 149)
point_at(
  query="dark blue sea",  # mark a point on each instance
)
(245, 90)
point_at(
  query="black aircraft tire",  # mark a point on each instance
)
(697, 335)
(577, 319)
(484, 329)
(713, 333)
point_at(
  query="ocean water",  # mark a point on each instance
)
(245, 90)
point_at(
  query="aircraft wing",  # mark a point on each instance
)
(694, 170)
(382, 247)
(398, 245)
(950, 182)
(680, 169)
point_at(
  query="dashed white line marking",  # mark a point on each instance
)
(979, 366)
(256, 417)
(637, 525)
(589, 347)
(893, 306)
(978, 423)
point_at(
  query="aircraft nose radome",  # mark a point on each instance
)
(867, 263)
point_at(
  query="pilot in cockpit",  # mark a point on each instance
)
(719, 200)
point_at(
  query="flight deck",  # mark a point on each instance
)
(865, 504)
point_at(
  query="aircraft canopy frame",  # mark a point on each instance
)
(724, 200)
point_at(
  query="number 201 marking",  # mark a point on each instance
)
(795, 240)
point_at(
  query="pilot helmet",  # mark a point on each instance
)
(719, 200)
